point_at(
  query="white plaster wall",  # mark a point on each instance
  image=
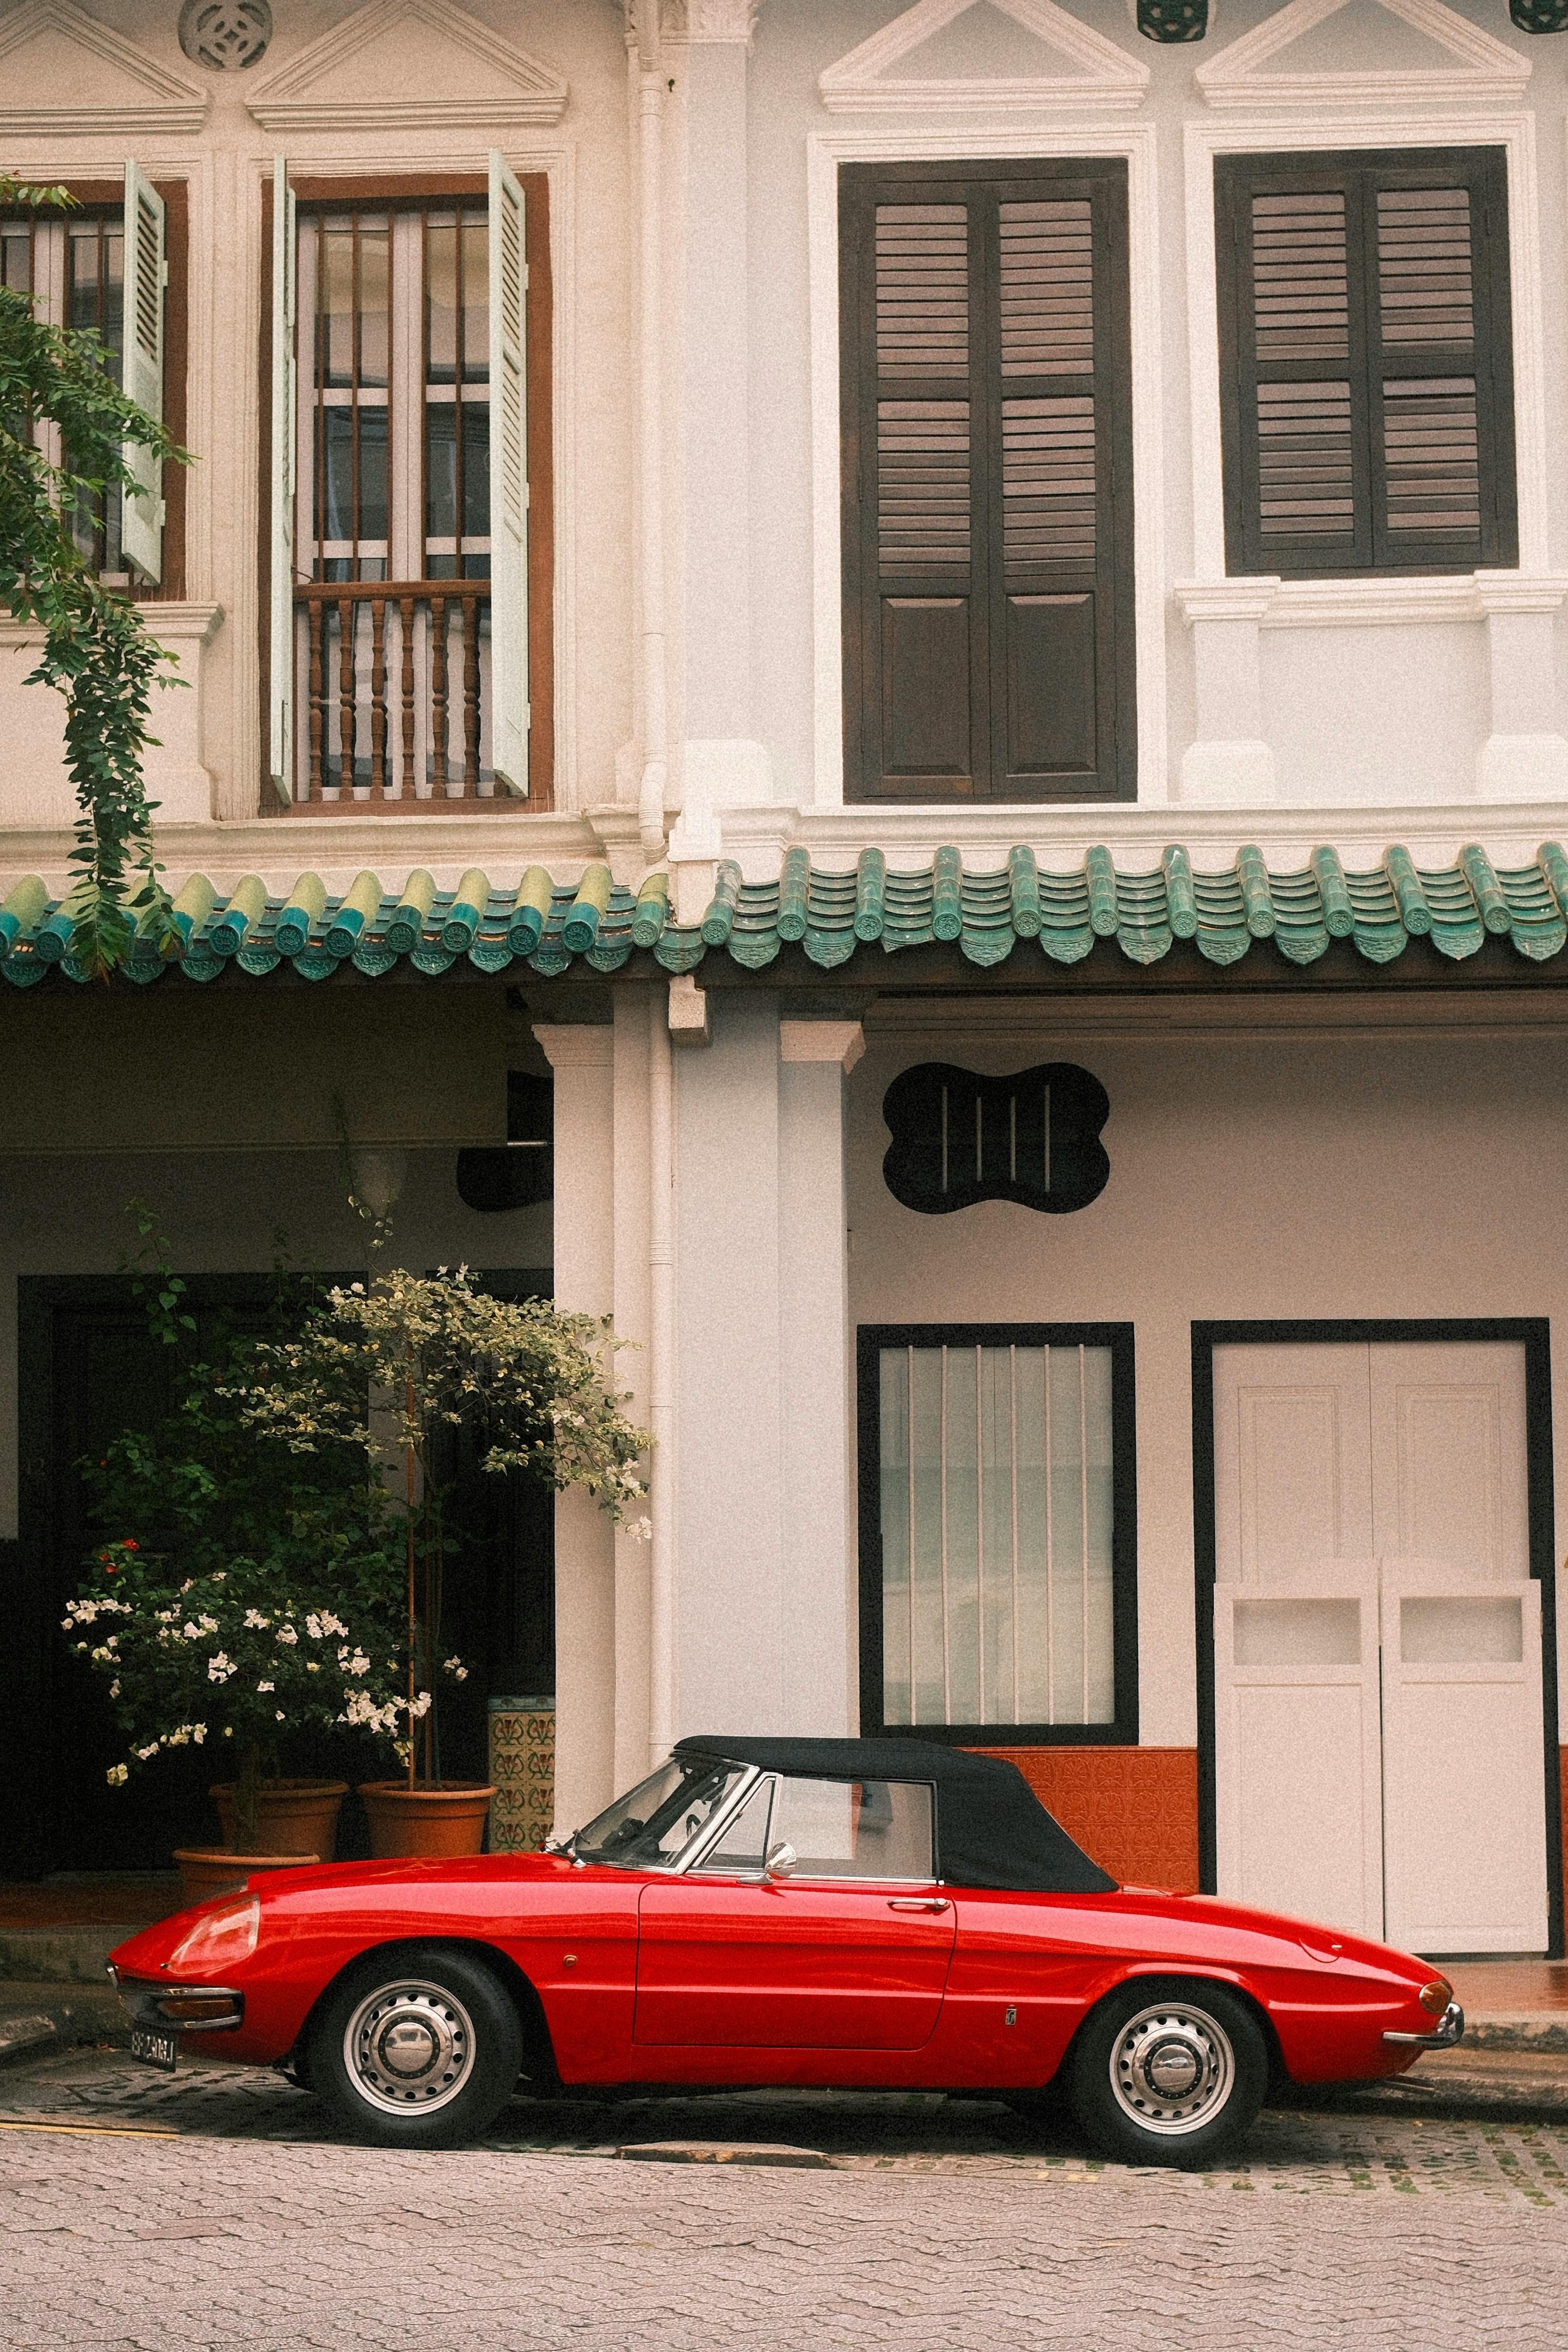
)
(225, 162)
(1414, 745)
(1264, 1175)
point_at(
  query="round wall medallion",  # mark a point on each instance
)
(225, 35)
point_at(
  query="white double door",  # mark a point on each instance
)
(1379, 1751)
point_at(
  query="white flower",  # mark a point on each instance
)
(279, 1714)
(192, 1633)
(266, 1686)
(219, 1574)
(207, 1625)
(641, 1531)
(198, 1732)
(219, 1667)
(115, 1690)
(255, 1618)
(99, 1655)
(312, 1666)
(144, 1753)
(287, 1634)
(116, 1774)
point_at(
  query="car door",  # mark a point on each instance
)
(850, 1952)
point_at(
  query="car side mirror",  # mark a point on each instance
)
(782, 1859)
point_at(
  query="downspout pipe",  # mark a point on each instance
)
(662, 1383)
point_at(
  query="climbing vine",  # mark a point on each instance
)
(97, 653)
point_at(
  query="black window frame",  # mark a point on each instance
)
(1121, 1730)
(1361, 173)
(1104, 182)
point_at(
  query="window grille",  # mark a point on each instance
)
(74, 267)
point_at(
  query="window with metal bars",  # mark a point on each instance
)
(987, 482)
(998, 1596)
(1366, 361)
(73, 267)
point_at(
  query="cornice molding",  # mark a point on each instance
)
(694, 23)
(863, 82)
(515, 89)
(1485, 70)
(155, 99)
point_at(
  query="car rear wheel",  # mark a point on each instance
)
(418, 2050)
(1168, 2073)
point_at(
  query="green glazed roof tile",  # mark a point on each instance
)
(527, 918)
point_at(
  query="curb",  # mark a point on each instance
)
(60, 2017)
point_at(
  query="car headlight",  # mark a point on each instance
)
(1435, 1997)
(226, 1934)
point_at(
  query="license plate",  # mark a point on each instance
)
(154, 2049)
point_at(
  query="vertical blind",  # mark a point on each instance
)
(1367, 368)
(996, 1535)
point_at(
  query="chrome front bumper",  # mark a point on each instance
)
(1450, 2028)
(144, 2005)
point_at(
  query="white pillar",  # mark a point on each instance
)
(764, 1575)
(820, 1647)
(583, 1059)
(1230, 764)
(1525, 755)
(635, 1010)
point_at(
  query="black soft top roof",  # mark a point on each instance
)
(991, 1828)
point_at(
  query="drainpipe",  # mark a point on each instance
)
(648, 88)
(661, 1384)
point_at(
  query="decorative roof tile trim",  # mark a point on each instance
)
(552, 928)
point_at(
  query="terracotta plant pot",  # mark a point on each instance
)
(291, 1816)
(434, 1817)
(209, 1871)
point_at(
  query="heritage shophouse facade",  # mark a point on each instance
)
(934, 636)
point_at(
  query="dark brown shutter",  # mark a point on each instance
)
(987, 509)
(1366, 361)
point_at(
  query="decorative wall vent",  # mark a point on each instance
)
(1177, 20)
(225, 35)
(959, 1138)
(1540, 16)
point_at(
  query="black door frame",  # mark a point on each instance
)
(1533, 1332)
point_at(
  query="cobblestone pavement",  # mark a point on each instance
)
(219, 2210)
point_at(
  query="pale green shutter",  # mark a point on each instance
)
(280, 675)
(141, 370)
(508, 482)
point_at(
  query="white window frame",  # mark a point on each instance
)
(1328, 601)
(1136, 143)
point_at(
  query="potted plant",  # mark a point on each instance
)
(376, 1377)
(245, 1598)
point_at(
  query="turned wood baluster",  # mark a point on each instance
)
(439, 689)
(318, 698)
(406, 612)
(378, 698)
(470, 697)
(346, 610)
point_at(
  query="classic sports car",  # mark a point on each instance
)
(877, 1913)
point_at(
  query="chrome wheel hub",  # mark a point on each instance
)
(409, 2047)
(1172, 2068)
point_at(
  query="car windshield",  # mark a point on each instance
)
(651, 1827)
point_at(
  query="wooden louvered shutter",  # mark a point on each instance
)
(281, 612)
(509, 478)
(987, 482)
(1366, 362)
(141, 369)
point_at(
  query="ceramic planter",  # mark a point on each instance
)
(434, 1817)
(291, 1816)
(209, 1871)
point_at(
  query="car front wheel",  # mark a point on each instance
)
(417, 2051)
(1168, 2073)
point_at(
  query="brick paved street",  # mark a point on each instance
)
(219, 2212)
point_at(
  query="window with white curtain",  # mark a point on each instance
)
(999, 1462)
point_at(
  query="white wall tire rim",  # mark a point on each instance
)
(1173, 2069)
(409, 2049)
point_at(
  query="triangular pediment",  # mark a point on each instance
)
(409, 64)
(61, 70)
(1428, 56)
(1036, 58)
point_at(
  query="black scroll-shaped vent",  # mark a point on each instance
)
(1540, 16)
(959, 1137)
(1173, 20)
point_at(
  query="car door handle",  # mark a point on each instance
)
(919, 1903)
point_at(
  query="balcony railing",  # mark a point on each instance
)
(393, 694)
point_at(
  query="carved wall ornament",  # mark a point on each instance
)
(1173, 20)
(1540, 16)
(225, 35)
(1470, 66)
(709, 20)
(959, 1138)
(409, 65)
(1079, 66)
(63, 74)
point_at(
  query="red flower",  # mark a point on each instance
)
(130, 1543)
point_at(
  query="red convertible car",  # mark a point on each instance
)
(877, 1913)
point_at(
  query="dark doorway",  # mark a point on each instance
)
(88, 1369)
